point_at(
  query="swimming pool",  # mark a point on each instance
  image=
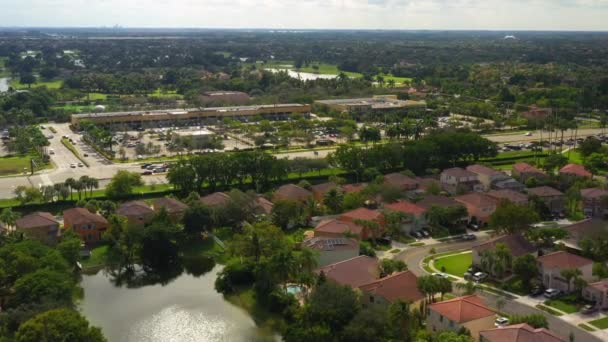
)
(295, 289)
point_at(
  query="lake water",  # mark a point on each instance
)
(4, 84)
(304, 76)
(185, 309)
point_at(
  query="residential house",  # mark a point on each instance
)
(291, 192)
(174, 207)
(353, 272)
(469, 312)
(365, 214)
(438, 201)
(587, 229)
(319, 190)
(335, 228)
(553, 198)
(525, 171)
(415, 217)
(517, 245)
(508, 183)
(551, 265)
(136, 212)
(40, 226)
(353, 188)
(572, 172)
(597, 292)
(509, 195)
(401, 181)
(332, 250)
(595, 202)
(479, 206)
(518, 333)
(398, 286)
(457, 181)
(537, 113)
(426, 183)
(89, 226)
(263, 205)
(216, 200)
(486, 175)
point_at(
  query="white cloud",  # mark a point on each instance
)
(365, 14)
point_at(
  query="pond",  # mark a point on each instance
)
(186, 308)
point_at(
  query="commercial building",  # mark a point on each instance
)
(195, 116)
(379, 103)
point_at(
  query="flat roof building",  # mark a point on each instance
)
(371, 103)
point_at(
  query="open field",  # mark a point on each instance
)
(14, 165)
(56, 84)
(455, 265)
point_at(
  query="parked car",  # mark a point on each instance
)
(159, 170)
(424, 233)
(51, 151)
(469, 237)
(146, 173)
(589, 309)
(551, 293)
(479, 277)
(80, 164)
(416, 235)
(145, 166)
(86, 155)
(537, 291)
(501, 322)
(474, 226)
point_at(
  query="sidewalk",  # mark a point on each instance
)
(427, 242)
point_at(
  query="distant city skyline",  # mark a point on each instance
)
(312, 14)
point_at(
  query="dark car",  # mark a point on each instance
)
(589, 309)
(469, 237)
(537, 291)
(145, 166)
(146, 173)
(425, 233)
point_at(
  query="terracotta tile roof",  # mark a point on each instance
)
(517, 244)
(134, 208)
(519, 333)
(400, 180)
(563, 260)
(82, 216)
(331, 244)
(354, 272)
(594, 193)
(398, 286)
(323, 188)
(601, 285)
(462, 309)
(476, 199)
(291, 192)
(586, 229)
(526, 168)
(576, 169)
(544, 191)
(170, 204)
(334, 226)
(507, 194)
(36, 219)
(458, 172)
(264, 204)
(406, 207)
(216, 199)
(482, 170)
(361, 214)
(440, 201)
(350, 188)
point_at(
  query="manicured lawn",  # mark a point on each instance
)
(15, 165)
(549, 310)
(455, 264)
(601, 323)
(398, 80)
(75, 108)
(39, 83)
(586, 327)
(564, 304)
(98, 257)
(575, 156)
(160, 93)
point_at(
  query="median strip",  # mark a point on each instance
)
(74, 151)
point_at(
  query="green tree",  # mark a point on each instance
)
(122, 184)
(569, 274)
(197, 219)
(554, 161)
(287, 214)
(536, 321)
(526, 269)
(333, 200)
(43, 285)
(69, 247)
(57, 325)
(369, 325)
(510, 218)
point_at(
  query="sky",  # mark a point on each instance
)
(312, 14)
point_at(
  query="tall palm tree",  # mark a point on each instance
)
(84, 182)
(569, 274)
(9, 217)
(70, 184)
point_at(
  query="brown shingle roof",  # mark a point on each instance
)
(334, 226)
(406, 207)
(475, 199)
(519, 333)
(398, 286)
(216, 199)
(361, 214)
(134, 208)
(354, 272)
(482, 170)
(264, 204)
(594, 193)
(400, 180)
(563, 260)
(586, 229)
(323, 188)
(462, 309)
(508, 194)
(517, 244)
(170, 204)
(291, 192)
(440, 201)
(544, 191)
(36, 219)
(458, 172)
(82, 216)
(350, 188)
(577, 170)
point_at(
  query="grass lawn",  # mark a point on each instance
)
(204, 247)
(601, 323)
(49, 84)
(586, 327)
(98, 257)
(575, 156)
(160, 93)
(562, 304)
(14, 165)
(398, 80)
(549, 310)
(265, 320)
(75, 108)
(455, 264)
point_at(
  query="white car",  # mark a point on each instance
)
(73, 166)
(501, 322)
(551, 293)
(528, 134)
(479, 276)
(440, 275)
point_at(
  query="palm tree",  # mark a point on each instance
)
(78, 186)
(70, 184)
(569, 274)
(488, 261)
(503, 259)
(468, 288)
(9, 217)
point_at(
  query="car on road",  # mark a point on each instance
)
(528, 134)
(501, 322)
(145, 166)
(551, 293)
(73, 166)
(80, 164)
(469, 237)
(589, 309)
(51, 151)
(474, 226)
(440, 275)
(146, 173)
(159, 170)
(50, 136)
(86, 154)
(479, 277)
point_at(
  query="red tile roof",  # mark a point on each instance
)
(476, 199)
(291, 192)
(398, 286)
(526, 168)
(82, 216)
(134, 208)
(170, 204)
(361, 214)
(517, 244)
(216, 199)
(406, 207)
(563, 260)
(350, 188)
(594, 193)
(264, 204)
(601, 285)
(354, 272)
(519, 333)
(576, 169)
(35, 220)
(334, 227)
(482, 170)
(440, 201)
(458, 172)
(545, 191)
(508, 194)
(462, 309)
